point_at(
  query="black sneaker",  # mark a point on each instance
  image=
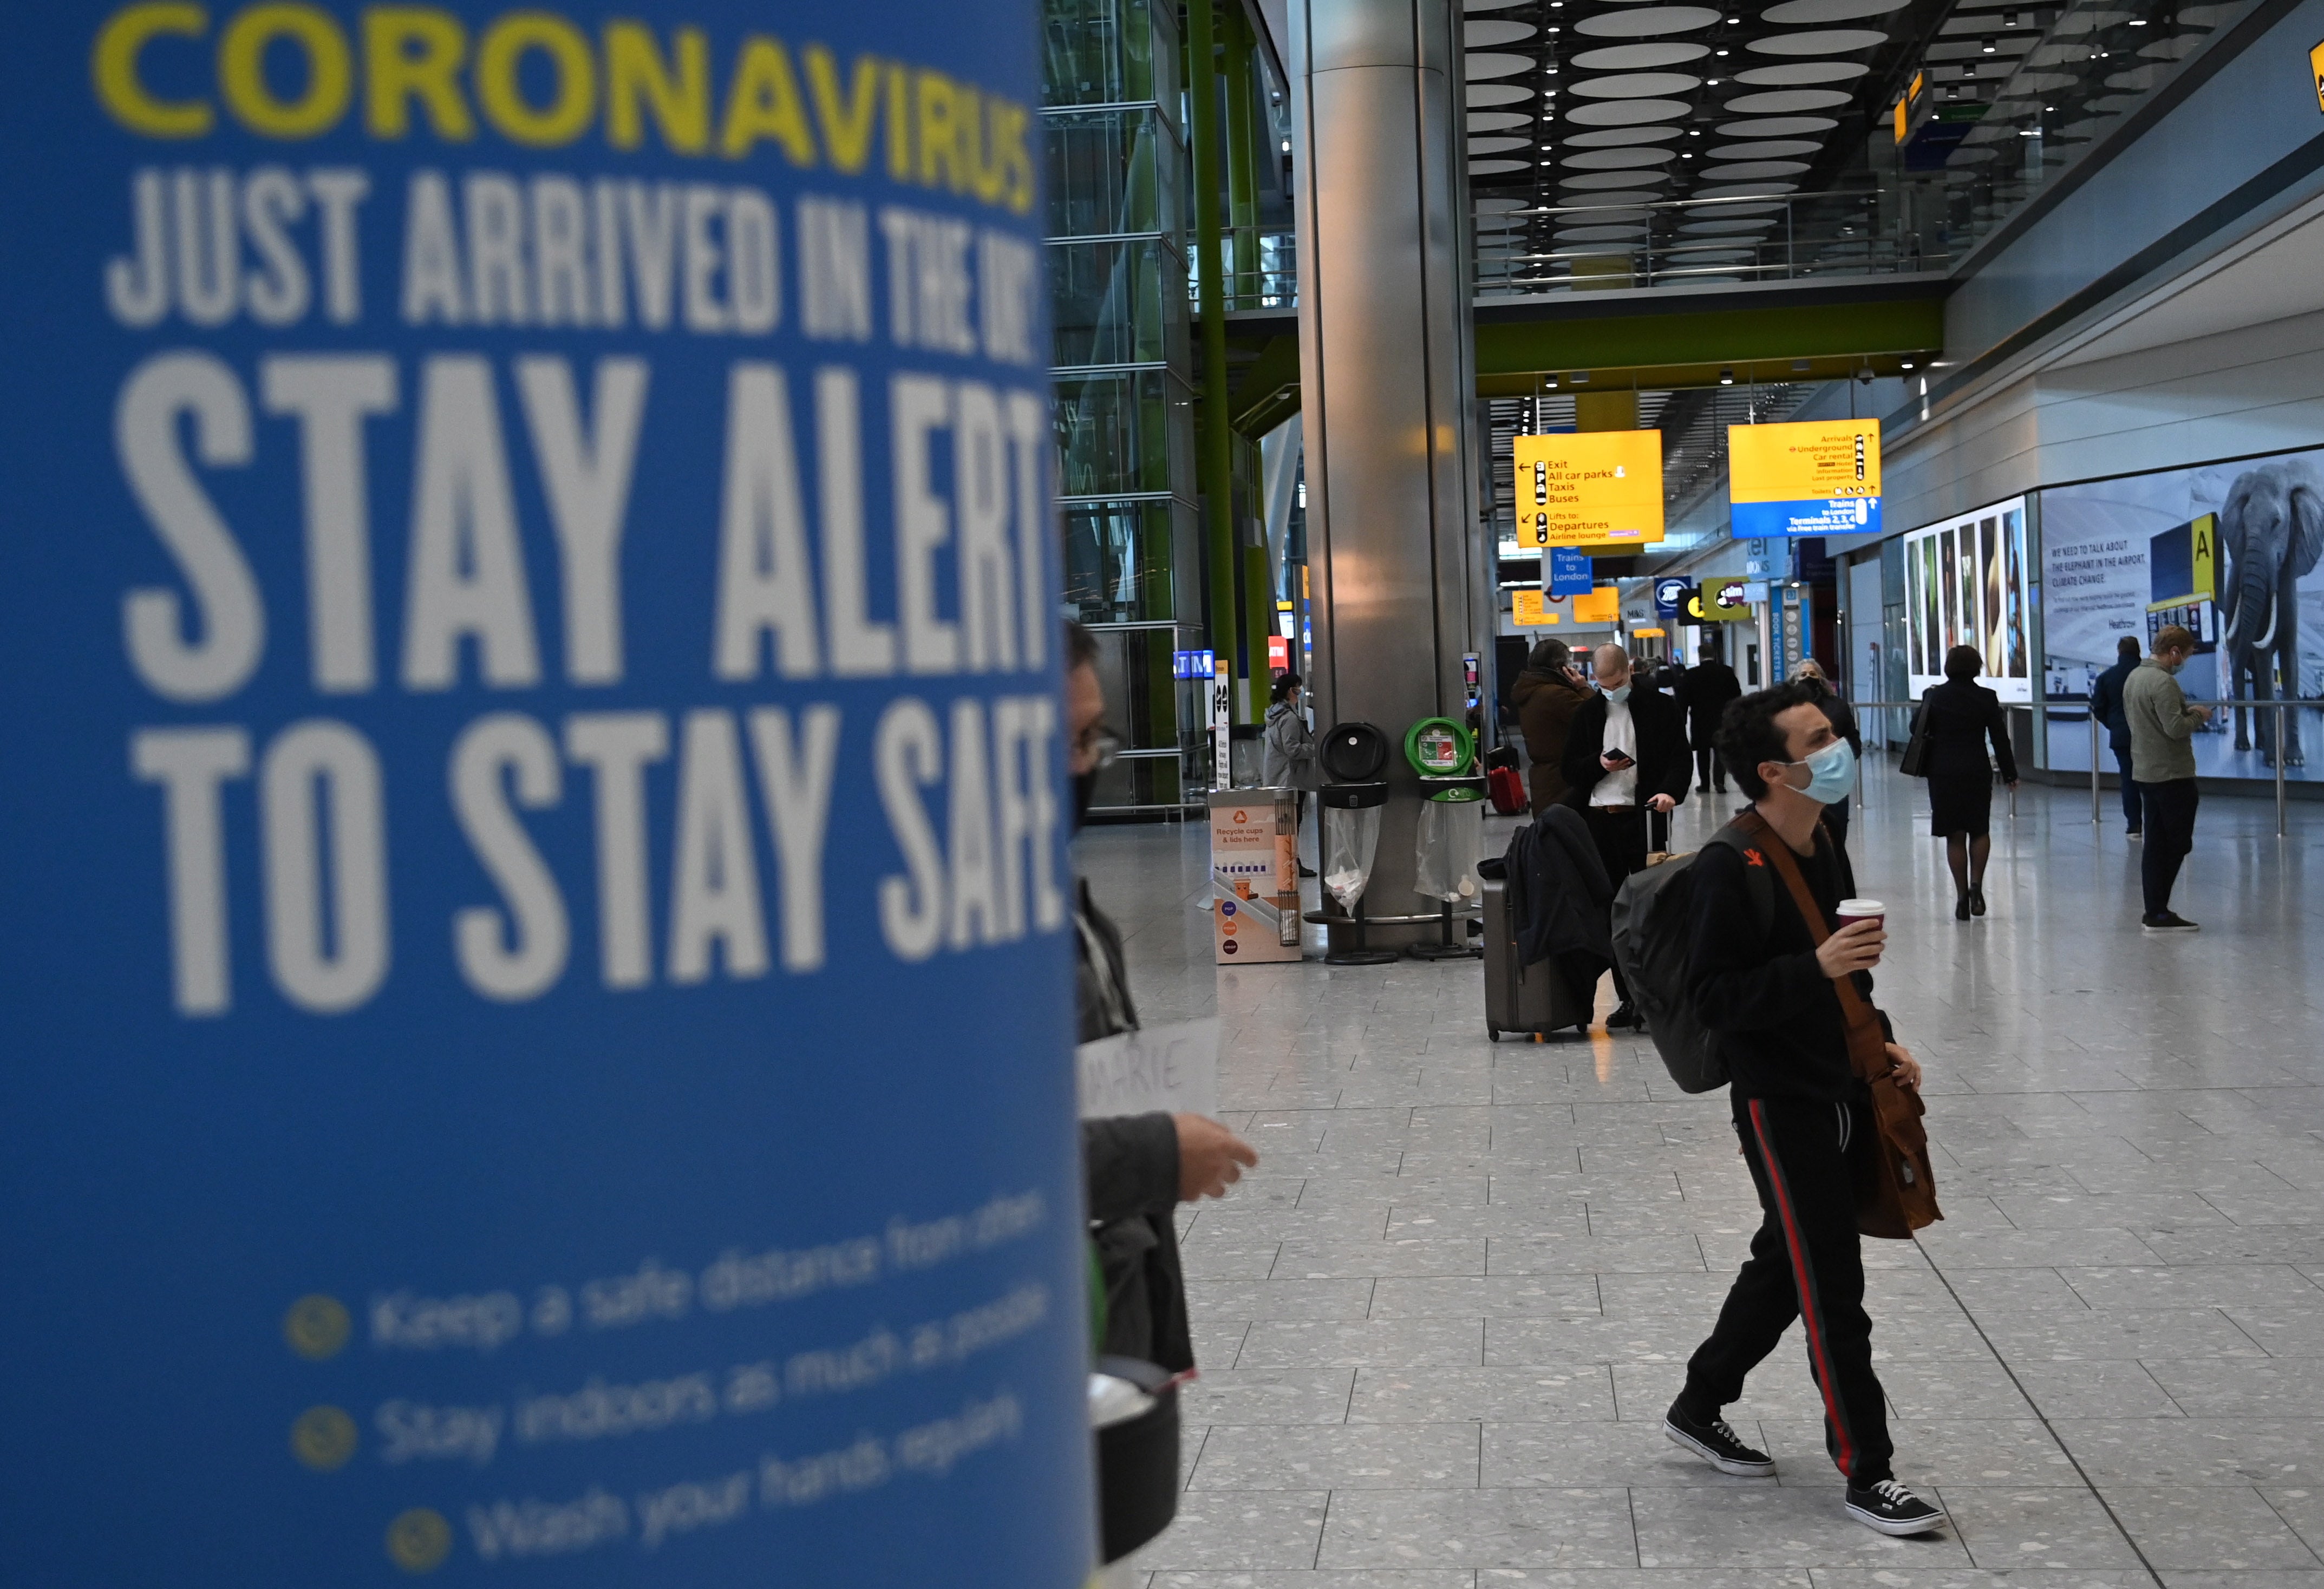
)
(1890, 1507)
(1627, 1016)
(2170, 920)
(1717, 1445)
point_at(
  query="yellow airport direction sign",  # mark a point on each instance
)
(1811, 477)
(1589, 488)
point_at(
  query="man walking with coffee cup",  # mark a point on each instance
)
(1757, 977)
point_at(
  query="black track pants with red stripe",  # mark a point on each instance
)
(1806, 1160)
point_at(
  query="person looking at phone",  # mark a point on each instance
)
(1757, 978)
(1626, 755)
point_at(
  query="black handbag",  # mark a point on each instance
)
(1916, 762)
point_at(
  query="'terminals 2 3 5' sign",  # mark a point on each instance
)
(536, 979)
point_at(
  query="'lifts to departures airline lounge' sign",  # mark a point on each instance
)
(1591, 488)
(1816, 477)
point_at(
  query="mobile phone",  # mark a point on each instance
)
(1621, 754)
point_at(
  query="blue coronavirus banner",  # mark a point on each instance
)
(538, 972)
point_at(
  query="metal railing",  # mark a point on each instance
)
(2043, 712)
(1837, 248)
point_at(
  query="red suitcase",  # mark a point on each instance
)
(1505, 787)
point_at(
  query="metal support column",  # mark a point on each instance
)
(1386, 391)
(1215, 470)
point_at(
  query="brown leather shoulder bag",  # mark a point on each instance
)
(1900, 1197)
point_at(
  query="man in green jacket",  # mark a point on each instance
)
(2163, 760)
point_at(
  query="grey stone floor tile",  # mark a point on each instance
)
(2120, 1333)
(1340, 1457)
(1633, 1455)
(1218, 1261)
(2279, 1387)
(1504, 1296)
(1239, 1530)
(1217, 1341)
(1250, 1227)
(2282, 1332)
(1452, 1578)
(1643, 1254)
(1238, 1396)
(1637, 1578)
(1688, 1296)
(1535, 1528)
(1280, 1299)
(2223, 1285)
(1657, 1338)
(2015, 1453)
(2207, 1452)
(1517, 1395)
(2176, 1579)
(1374, 1343)
(2301, 1245)
(2213, 1529)
(1417, 1191)
(1977, 1578)
(1982, 1291)
(1778, 1388)
(2010, 1530)
(2033, 1249)
(1952, 1390)
(1402, 1256)
(1567, 1223)
(2102, 1390)
(1771, 1526)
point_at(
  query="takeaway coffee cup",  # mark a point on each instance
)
(1862, 910)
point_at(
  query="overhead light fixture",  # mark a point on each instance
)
(1726, 378)
(1286, 146)
(1986, 45)
(1722, 52)
(1694, 132)
(2138, 21)
(1906, 363)
(1714, 82)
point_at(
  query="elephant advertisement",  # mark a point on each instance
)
(2230, 552)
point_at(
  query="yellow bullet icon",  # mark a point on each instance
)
(419, 1540)
(323, 1437)
(316, 1326)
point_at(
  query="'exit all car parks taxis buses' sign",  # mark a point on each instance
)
(1589, 488)
(1815, 477)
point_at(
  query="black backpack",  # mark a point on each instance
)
(1654, 923)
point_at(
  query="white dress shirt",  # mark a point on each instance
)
(1619, 788)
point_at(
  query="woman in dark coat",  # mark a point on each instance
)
(1959, 717)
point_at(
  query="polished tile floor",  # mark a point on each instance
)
(1439, 1326)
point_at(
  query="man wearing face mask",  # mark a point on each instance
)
(1136, 1168)
(1757, 977)
(1625, 756)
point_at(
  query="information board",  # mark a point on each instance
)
(1531, 609)
(1811, 477)
(1589, 487)
(539, 990)
(1570, 572)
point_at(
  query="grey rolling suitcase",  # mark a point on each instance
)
(1521, 999)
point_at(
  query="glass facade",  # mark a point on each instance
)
(1116, 169)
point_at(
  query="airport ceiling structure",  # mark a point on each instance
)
(1614, 144)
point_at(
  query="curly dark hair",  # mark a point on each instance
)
(1747, 734)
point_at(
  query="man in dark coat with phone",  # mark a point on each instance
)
(1705, 691)
(1626, 755)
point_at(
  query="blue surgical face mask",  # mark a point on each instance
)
(2171, 667)
(1831, 773)
(1619, 694)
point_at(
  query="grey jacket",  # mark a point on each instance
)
(2161, 725)
(1289, 762)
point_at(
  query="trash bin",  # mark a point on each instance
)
(1353, 755)
(1451, 834)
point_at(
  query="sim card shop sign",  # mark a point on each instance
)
(527, 623)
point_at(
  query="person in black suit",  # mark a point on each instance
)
(1625, 754)
(1705, 691)
(1958, 718)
